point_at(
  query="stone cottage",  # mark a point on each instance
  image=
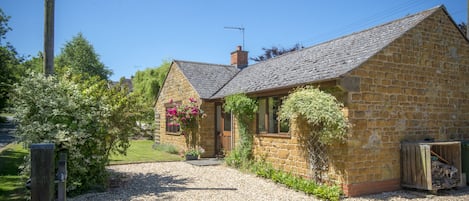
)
(401, 81)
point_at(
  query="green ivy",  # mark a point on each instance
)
(321, 110)
(241, 106)
(244, 109)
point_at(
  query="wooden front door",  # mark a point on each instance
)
(223, 131)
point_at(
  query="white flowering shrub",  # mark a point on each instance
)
(90, 120)
(321, 110)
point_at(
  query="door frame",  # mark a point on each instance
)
(220, 132)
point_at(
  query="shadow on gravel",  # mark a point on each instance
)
(155, 183)
(139, 185)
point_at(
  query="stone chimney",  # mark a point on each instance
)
(239, 58)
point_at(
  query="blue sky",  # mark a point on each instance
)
(133, 35)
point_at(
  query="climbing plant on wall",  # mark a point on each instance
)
(187, 116)
(244, 109)
(325, 119)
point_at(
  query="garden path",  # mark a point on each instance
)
(7, 131)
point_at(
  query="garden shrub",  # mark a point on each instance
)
(237, 159)
(90, 120)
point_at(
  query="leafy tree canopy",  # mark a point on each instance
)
(148, 82)
(8, 62)
(4, 28)
(34, 64)
(79, 57)
(146, 85)
(274, 52)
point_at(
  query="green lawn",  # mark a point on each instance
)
(141, 151)
(11, 184)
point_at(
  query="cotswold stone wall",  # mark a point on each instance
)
(177, 88)
(207, 129)
(284, 152)
(416, 88)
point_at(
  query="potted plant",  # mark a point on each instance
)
(193, 154)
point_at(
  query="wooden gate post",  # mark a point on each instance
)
(62, 176)
(42, 172)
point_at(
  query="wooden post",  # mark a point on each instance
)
(49, 37)
(62, 176)
(42, 172)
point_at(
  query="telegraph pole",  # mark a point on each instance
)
(49, 37)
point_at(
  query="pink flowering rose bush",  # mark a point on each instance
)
(187, 117)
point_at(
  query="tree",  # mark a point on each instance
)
(149, 81)
(34, 64)
(146, 85)
(274, 52)
(463, 27)
(79, 57)
(4, 28)
(8, 62)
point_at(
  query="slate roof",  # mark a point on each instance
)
(207, 79)
(325, 61)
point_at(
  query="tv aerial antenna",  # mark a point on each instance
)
(238, 28)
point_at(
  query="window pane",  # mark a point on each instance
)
(284, 126)
(171, 125)
(227, 122)
(218, 117)
(272, 109)
(168, 127)
(261, 115)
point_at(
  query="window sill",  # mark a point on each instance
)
(274, 135)
(171, 133)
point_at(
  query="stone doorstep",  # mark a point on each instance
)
(205, 162)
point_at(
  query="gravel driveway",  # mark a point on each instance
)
(183, 181)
